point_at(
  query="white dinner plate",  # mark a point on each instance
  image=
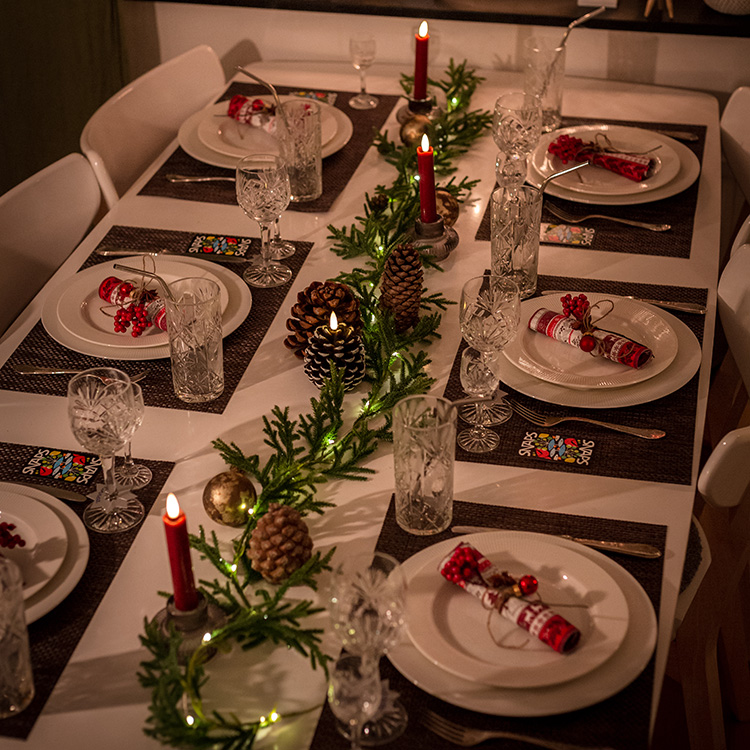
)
(453, 630)
(683, 367)
(557, 362)
(597, 181)
(188, 138)
(238, 306)
(612, 676)
(46, 541)
(225, 135)
(76, 555)
(88, 317)
(689, 170)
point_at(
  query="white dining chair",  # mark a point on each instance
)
(735, 137)
(131, 128)
(41, 222)
(734, 308)
(715, 630)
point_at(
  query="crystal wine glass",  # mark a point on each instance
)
(516, 128)
(490, 311)
(354, 695)
(102, 415)
(367, 606)
(362, 53)
(130, 475)
(477, 379)
(263, 193)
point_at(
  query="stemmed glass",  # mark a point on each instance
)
(478, 379)
(103, 417)
(516, 128)
(263, 193)
(490, 311)
(354, 694)
(362, 53)
(130, 475)
(367, 606)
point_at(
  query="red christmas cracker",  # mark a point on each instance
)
(120, 294)
(253, 112)
(568, 148)
(468, 568)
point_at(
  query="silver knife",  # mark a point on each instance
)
(688, 307)
(110, 251)
(58, 492)
(625, 548)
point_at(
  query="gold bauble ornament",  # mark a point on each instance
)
(413, 129)
(229, 497)
(447, 206)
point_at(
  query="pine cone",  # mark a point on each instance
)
(401, 287)
(342, 346)
(280, 543)
(314, 306)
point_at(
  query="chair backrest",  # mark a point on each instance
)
(742, 237)
(41, 222)
(725, 477)
(735, 137)
(734, 308)
(131, 128)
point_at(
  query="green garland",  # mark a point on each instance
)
(315, 447)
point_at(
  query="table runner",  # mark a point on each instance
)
(239, 346)
(678, 210)
(54, 637)
(615, 454)
(621, 721)
(337, 168)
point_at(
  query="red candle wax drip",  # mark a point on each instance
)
(420, 62)
(178, 546)
(426, 167)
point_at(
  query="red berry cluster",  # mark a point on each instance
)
(8, 538)
(462, 565)
(135, 314)
(576, 306)
(568, 148)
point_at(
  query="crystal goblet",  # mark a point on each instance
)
(477, 379)
(362, 53)
(516, 128)
(130, 475)
(263, 193)
(103, 417)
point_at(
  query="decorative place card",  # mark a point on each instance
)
(66, 466)
(548, 447)
(212, 244)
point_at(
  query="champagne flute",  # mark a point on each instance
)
(130, 475)
(103, 418)
(263, 193)
(516, 129)
(490, 312)
(362, 53)
(354, 695)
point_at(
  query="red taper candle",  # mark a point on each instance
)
(178, 546)
(426, 167)
(420, 62)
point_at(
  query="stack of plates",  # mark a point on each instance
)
(552, 371)
(675, 167)
(211, 136)
(452, 654)
(77, 318)
(57, 546)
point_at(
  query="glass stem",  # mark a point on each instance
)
(362, 73)
(110, 487)
(356, 735)
(265, 244)
(128, 456)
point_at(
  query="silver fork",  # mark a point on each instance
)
(565, 216)
(40, 370)
(541, 421)
(468, 736)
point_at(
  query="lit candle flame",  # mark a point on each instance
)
(425, 143)
(173, 507)
(334, 321)
(423, 29)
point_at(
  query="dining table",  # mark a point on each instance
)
(86, 649)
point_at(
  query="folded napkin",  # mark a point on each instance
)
(575, 327)
(568, 148)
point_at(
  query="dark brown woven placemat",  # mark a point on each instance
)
(615, 454)
(621, 721)
(678, 210)
(54, 637)
(239, 346)
(338, 168)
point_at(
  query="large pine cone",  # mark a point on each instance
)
(280, 543)
(314, 307)
(401, 286)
